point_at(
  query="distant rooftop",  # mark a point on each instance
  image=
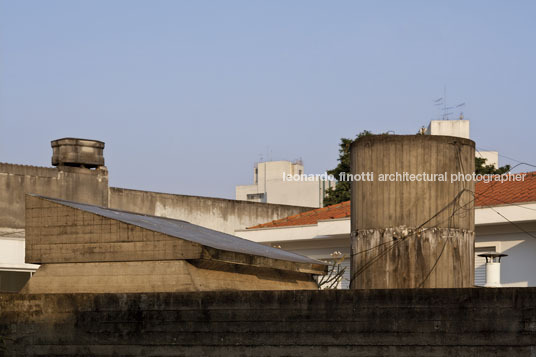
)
(487, 194)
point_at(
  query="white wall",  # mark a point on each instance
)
(12, 250)
(492, 230)
(268, 180)
(492, 157)
(459, 128)
(14, 272)
(519, 267)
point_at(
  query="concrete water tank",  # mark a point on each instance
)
(412, 231)
(77, 152)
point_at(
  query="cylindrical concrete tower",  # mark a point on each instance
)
(412, 231)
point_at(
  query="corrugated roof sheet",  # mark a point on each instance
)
(190, 232)
(487, 194)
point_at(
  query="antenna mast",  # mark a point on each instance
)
(444, 109)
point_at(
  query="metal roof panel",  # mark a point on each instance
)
(190, 232)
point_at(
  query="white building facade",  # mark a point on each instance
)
(285, 182)
(461, 129)
(514, 235)
(14, 271)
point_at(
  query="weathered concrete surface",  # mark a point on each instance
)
(77, 152)
(83, 251)
(382, 204)
(215, 213)
(433, 258)
(73, 180)
(91, 186)
(425, 322)
(69, 183)
(409, 233)
(57, 233)
(161, 276)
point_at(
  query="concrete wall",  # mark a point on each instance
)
(519, 266)
(378, 204)
(91, 186)
(447, 322)
(60, 234)
(215, 213)
(69, 183)
(401, 227)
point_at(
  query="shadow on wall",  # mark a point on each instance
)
(519, 266)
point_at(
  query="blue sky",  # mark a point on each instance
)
(188, 95)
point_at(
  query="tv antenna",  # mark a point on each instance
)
(444, 109)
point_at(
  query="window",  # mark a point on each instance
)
(255, 196)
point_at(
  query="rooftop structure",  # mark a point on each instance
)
(284, 182)
(77, 152)
(487, 194)
(461, 129)
(79, 176)
(86, 248)
(505, 221)
(458, 128)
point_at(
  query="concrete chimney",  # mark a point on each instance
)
(77, 152)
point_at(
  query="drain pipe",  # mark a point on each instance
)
(493, 269)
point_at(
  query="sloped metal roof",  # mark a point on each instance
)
(190, 232)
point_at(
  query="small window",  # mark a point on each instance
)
(255, 196)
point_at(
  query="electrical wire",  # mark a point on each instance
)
(506, 157)
(450, 221)
(403, 239)
(513, 223)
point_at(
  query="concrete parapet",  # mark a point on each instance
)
(405, 322)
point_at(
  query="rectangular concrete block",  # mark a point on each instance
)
(60, 234)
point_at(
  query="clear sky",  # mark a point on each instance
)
(188, 95)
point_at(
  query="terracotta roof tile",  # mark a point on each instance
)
(491, 193)
(340, 210)
(497, 193)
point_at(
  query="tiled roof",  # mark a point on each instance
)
(340, 210)
(487, 194)
(497, 193)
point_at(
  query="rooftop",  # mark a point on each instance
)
(190, 232)
(487, 194)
